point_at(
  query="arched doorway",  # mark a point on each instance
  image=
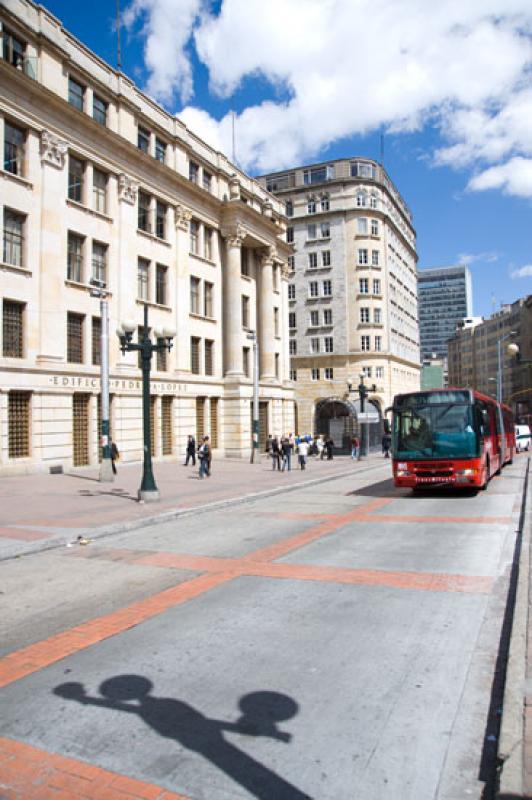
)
(338, 418)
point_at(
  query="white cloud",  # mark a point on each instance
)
(471, 258)
(513, 177)
(522, 272)
(351, 66)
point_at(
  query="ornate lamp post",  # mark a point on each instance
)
(148, 491)
(255, 433)
(99, 291)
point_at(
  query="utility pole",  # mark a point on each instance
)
(106, 466)
(255, 430)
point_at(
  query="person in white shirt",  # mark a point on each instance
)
(302, 453)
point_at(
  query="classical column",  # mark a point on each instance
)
(232, 302)
(266, 318)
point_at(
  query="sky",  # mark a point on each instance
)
(446, 87)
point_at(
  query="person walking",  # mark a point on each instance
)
(320, 444)
(302, 452)
(115, 455)
(204, 454)
(190, 451)
(329, 444)
(286, 449)
(355, 444)
(276, 454)
(386, 444)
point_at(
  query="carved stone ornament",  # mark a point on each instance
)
(234, 187)
(127, 189)
(53, 149)
(269, 255)
(234, 236)
(285, 271)
(182, 217)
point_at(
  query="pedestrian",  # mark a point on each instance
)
(302, 452)
(204, 454)
(190, 451)
(269, 442)
(386, 444)
(115, 455)
(320, 444)
(329, 444)
(355, 444)
(286, 449)
(276, 453)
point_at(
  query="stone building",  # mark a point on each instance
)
(100, 183)
(352, 292)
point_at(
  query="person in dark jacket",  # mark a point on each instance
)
(276, 453)
(191, 451)
(386, 444)
(115, 455)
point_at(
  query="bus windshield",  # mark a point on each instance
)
(445, 430)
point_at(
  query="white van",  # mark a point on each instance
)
(522, 438)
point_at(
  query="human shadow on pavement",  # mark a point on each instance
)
(122, 494)
(175, 719)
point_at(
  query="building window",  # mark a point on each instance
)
(244, 261)
(194, 237)
(193, 171)
(12, 329)
(290, 235)
(311, 232)
(318, 174)
(14, 146)
(325, 203)
(276, 327)
(362, 226)
(314, 345)
(18, 424)
(315, 374)
(289, 208)
(361, 199)
(75, 257)
(96, 341)
(326, 258)
(209, 357)
(314, 319)
(99, 110)
(143, 140)
(144, 212)
(327, 288)
(160, 220)
(373, 202)
(207, 243)
(313, 289)
(194, 295)
(327, 316)
(245, 311)
(99, 191)
(292, 347)
(363, 286)
(364, 343)
(245, 361)
(363, 256)
(325, 230)
(291, 263)
(166, 424)
(312, 260)
(293, 374)
(364, 315)
(329, 374)
(375, 258)
(277, 366)
(379, 372)
(374, 227)
(13, 237)
(311, 207)
(13, 50)
(366, 371)
(195, 355)
(275, 277)
(75, 338)
(206, 180)
(143, 279)
(99, 263)
(208, 295)
(378, 343)
(162, 356)
(291, 320)
(376, 286)
(160, 150)
(377, 316)
(329, 344)
(75, 179)
(160, 284)
(76, 94)
(291, 291)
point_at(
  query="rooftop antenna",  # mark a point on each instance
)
(233, 124)
(493, 303)
(382, 148)
(118, 48)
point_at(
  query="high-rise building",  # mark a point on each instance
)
(99, 183)
(352, 292)
(444, 298)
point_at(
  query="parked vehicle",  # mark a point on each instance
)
(522, 438)
(455, 437)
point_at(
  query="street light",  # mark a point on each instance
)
(148, 491)
(255, 431)
(499, 360)
(363, 392)
(106, 466)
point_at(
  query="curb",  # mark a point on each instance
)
(167, 516)
(511, 746)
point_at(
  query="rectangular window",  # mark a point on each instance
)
(379, 372)
(166, 424)
(144, 212)
(363, 286)
(312, 260)
(209, 357)
(291, 320)
(314, 345)
(193, 172)
(311, 207)
(362, 226)
(96, 341)
(194, 237)
(14, 146)
(327, 288)
(275, 277)
(208, 296)
(291, 263)
(195, 355)
(12, 329)
(376, 286)
(140, 338)
(313, 289)
(325, 204)
(160, 284)
(76, 94)
(99, 263)
(18, 424)
(245, 361)
(99, 191)
(214, 422)
(160, 220)
(363, 256)
(75, 338)
(290, 235)
(276, 326)
(293, 374)
(99, 110)
(143, 279)
(364, 343)
(325, 230)
(13, 50)
(328, 342)
(375, 258)
(194, 295)
(318, 175)
(327, 316)
(75, 179)
(378, 343)
(291, 291)
(364, 315)
(143, 140)
(207, 243)
(315, 374)
(162, 356)
(292, 347)
(206, 180)
(377, 316)
(277, 366)
(244, 261)
(374, 227)
(366, 371)
(245, 311)
(13, 237)
(75, 257)
(314, 319)
(160, 150)
(326, 258)
(329, 374)
(311, 232)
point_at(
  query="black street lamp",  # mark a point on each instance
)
(148, 491)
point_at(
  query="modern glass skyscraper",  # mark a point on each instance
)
(444, 298)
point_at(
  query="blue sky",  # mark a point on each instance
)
(311, 80)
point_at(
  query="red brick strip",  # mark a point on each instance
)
(446, 520)
(28, 773)
(22, 535)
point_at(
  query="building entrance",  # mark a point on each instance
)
(339, 419)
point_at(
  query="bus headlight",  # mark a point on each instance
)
(467, 472)
(403, 473)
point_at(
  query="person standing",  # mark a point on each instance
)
(302, 451)
(355, 444)
(276, 454)
(204, 454)
(286, 448)
(115, 455)
(191, 451)
(386, 444)
(320, 444)
(329, 444)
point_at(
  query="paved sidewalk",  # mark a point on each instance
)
(41, 511)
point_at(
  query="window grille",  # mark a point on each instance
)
(80, 429)
(13, 237)
(96, 341)
(209, 357)
(75, 338)
(200, 419)
(166, 424)
(195, 355)
(12, 329)
(214, 422)
(18, 425)
(75, 258)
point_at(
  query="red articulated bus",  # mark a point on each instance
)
(451, 437)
